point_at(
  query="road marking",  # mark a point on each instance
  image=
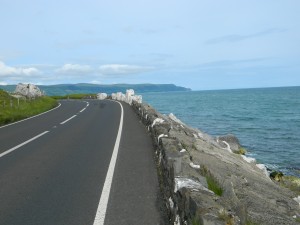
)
(101, 210)
(87, 105)
(20, 145)
(31, 117)
(68, 119)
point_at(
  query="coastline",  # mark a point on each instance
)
(265, 120)
(204, 183)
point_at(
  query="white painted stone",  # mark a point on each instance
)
(157, 121)
(175, 119)
(264, 169)
(181, 182)
(114, 96)
(200, 135)
(129, 96)
(195, 166)
(120, 97)
(129, 92)
(137, 99)
(297, 199)
(228, 147)
(249, 159)
(161, 136)
(101, 96)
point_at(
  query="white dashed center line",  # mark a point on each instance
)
(68, 120)
(24, 143)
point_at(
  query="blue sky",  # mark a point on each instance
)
(200, 44)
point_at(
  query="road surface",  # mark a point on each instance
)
(68, 167)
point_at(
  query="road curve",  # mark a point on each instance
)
(53, 167)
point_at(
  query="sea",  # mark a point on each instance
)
(265, 120)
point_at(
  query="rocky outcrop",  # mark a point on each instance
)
(230, 142)
(28, 90)
(203, 182)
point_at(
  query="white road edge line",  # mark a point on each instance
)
(101, 210)
(68, 119)
(20, 145)
(31, 117)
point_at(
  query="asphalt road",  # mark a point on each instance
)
(54, 168)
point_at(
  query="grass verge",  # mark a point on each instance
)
(12, 109)
(76, 96)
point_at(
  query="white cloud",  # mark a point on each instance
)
(74, 69)
(120, 69)
(96, 82)
(237, 38)
(8, 71)
(3, 83)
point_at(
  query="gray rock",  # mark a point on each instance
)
(28, 90)
(231, 140)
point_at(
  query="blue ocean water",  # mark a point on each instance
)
(266, 120)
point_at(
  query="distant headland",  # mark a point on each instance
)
(66, 89)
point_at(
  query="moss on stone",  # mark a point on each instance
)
(196, 221)
(241, 151)
(277, 176)
(226, 217)
(292, 183)
(250, 222)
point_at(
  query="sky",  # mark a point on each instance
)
(199, 44)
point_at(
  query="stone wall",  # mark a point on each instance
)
(204, 182)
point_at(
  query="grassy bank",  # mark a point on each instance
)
(75, 96)
(12, 109)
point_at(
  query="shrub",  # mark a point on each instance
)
(213, 185)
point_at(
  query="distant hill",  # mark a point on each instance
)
(64, 89)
